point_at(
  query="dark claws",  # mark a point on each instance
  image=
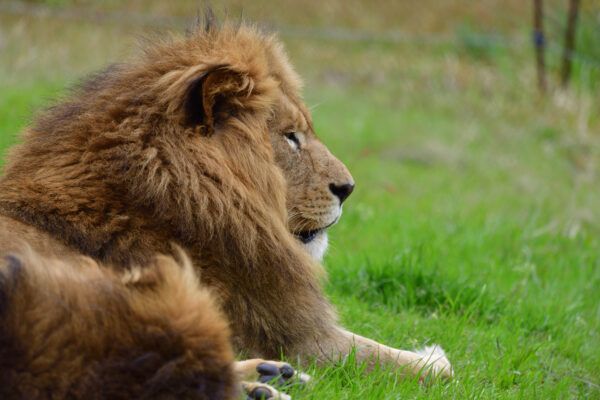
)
(270, 373)
(267, 369)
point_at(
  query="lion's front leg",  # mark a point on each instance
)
(430, 362)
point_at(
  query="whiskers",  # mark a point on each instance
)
(297, 222)
(303, 226)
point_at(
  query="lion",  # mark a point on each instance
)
(169, 212)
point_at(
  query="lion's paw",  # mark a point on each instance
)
(435, 362)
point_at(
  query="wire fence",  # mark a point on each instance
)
(476, 39)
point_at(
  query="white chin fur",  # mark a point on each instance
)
(318, 246)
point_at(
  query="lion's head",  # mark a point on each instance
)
(317, 182)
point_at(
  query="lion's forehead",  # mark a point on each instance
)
(291, 113)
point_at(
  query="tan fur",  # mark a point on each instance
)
(187, 145)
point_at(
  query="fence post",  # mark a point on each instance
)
(569, 42)
(539, 42)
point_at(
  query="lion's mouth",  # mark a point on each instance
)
(308, 236)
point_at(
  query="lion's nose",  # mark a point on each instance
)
(341, 191)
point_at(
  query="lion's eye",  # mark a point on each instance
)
(293, 140)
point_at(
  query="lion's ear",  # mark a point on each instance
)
(214, 97)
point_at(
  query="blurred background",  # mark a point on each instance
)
(476, 215)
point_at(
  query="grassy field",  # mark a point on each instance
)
(475, 221)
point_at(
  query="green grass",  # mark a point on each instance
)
(475, 220)
(17, 106)
(494, 259)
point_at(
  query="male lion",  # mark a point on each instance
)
(200, 148)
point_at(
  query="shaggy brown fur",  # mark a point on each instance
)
(186, 146)
(73, 330)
